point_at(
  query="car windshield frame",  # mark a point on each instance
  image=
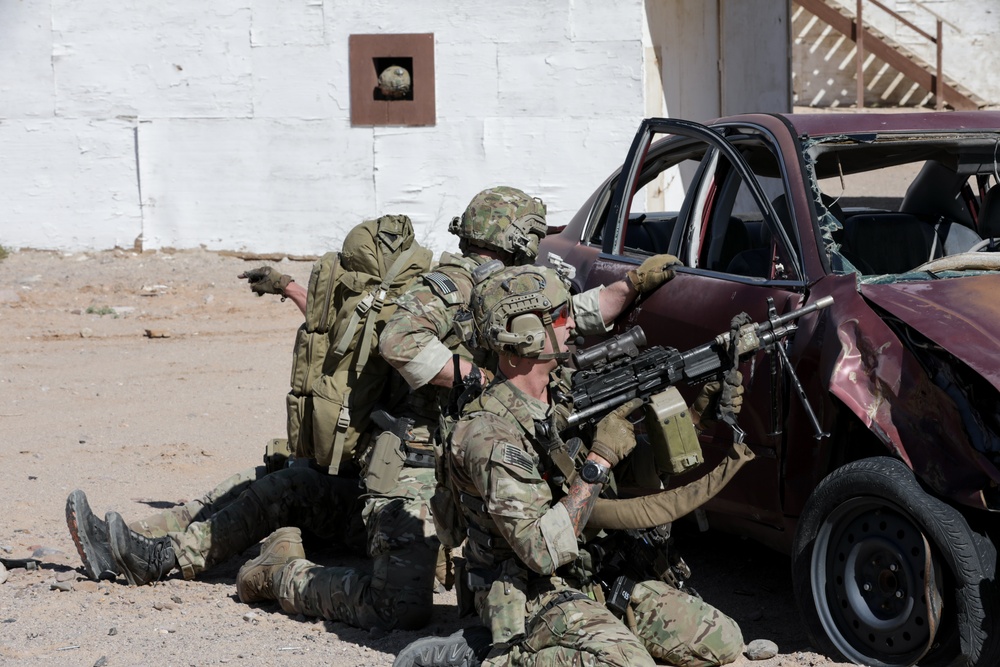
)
(969, 154)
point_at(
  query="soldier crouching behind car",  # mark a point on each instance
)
(525, 553)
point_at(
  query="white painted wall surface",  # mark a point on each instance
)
(227, 124)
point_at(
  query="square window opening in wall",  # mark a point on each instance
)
(392, 79)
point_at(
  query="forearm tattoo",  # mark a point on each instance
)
(580, 502)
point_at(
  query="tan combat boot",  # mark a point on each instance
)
(255, 582)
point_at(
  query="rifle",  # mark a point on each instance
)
(615, 371)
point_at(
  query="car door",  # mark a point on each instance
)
(738, 254)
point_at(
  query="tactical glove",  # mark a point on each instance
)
(615, 438)
(267, 280)
(652, 273)
(718, 399)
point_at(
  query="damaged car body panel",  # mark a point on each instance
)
(888, 496)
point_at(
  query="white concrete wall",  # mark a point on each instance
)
(824, 61)
(227, 124)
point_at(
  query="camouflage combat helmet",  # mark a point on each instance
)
(503, 219)
(394, 82)
(514, 310)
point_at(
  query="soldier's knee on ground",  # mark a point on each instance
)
(683, 630)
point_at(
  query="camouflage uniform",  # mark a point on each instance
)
(177, 519)
(327, 506)
(530, 568)
(418, 341)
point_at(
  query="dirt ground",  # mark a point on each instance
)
(88, 400)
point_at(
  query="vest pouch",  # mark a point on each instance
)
(307, 360)
(300, 435)
(276, 455)
(676, 448)
(385, 463)
(323, 278)
(506, 608)
(331, 423)
(448, 521)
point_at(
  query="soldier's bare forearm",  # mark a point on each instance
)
(580, 502)
(615, 298)
(297, 294)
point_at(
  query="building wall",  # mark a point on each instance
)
(227, 124)
(824, 66)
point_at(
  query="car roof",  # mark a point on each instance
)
(818, 124)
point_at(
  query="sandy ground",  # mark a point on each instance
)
(88, 400)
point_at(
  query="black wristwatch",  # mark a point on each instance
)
(593, 472)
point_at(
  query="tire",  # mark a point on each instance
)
(859, 563)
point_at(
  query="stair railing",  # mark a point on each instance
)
(937, 83)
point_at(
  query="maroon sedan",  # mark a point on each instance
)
(881, 477)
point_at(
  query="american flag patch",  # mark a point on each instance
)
(443, 283)
(515, 456)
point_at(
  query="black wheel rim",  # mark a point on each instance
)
(868, 581)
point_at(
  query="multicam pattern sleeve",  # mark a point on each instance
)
(411, 340)
(503, 468)
(587, 312)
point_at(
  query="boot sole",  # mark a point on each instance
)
(440, 651)
(95, 566)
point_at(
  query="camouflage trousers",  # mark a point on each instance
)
(177, 519)
(663, 623)
(325, 506)
(403, 546)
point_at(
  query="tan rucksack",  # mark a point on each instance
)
(338, 376)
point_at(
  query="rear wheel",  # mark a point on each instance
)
(887, 575)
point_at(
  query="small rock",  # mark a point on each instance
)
(761, 649)
(86, 586)
(157, 333)
(112, 632)
(7, 549)
(123, 310)
(250, 617)
(86, 332)
(65, 576)
(164, 606)
(103, 660)
(176, 598)
(208, 299)
(41, 552)
(63, 586)
(3, 573)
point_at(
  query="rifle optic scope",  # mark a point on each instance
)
(622, 345)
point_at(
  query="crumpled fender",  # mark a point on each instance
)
(872, 373)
